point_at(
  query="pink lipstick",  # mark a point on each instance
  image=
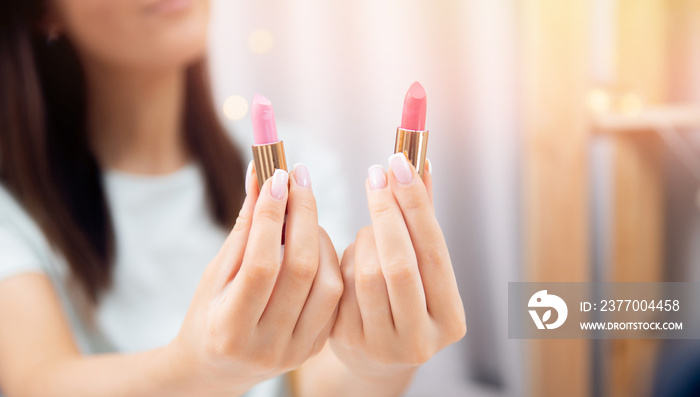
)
(411, 136)
(414, 108)
(268, 150)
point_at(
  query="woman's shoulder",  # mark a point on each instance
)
(22, 246)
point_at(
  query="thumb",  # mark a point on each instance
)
(228, 260)
(428, 178)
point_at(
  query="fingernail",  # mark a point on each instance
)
(402, 170)
(430, 167)
(377, 177)
(301, 175)
(279, 184)
(248, 174)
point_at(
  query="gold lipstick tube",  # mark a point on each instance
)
(413, 144)
(268, 158)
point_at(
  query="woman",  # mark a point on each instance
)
(119, 186)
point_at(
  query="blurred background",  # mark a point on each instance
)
(564, 146)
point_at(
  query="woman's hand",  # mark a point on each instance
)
(257, 313)
(401, 304)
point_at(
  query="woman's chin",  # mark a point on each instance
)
(187, 52)
(175, 48)
(180, 40)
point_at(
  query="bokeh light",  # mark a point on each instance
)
(631, 103)
(599, 100)
(235, 107)
(260, 41)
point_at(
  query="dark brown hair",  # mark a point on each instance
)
(45, 160)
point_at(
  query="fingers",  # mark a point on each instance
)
(395, 251)
(228, 259)
(301, 256)
(427, 238)
(322, 339)
(349, 320)
(370, 287)
(251, 289)
(321, 305)
(428, 179)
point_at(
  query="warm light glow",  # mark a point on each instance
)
(631, 103)
(599, 100)
(235, 107)
(260, 41)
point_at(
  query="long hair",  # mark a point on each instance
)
(45, 159)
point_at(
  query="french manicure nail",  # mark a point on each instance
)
(248, 174)
(377, 177)
(301, 175)
(279, 184)
(430, 167)
(402, 170)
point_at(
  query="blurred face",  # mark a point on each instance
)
(147, 34)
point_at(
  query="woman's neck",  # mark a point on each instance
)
(135, 120)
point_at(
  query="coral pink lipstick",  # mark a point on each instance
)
(414, 108)
(411, 136)
(268, 150)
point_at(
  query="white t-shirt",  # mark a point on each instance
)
(165, 237)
